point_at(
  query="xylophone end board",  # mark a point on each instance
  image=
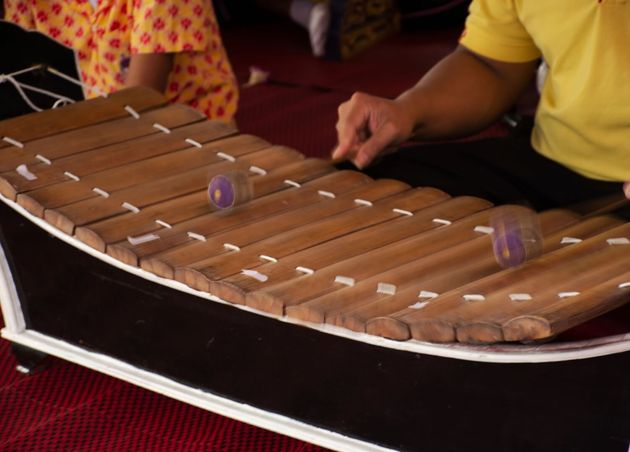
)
(155, 266)
(527, 328)
(265, 302)
(60, 221)
(433, 330)
(124, 255)
(305, 313)
(389, 328)
(7, 189)
(228, 292)
(86, 235)
(192, 278)
(31, 205)
(349, 322)
(479, 333)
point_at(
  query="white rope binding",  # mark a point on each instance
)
(194, 235)
(305, 270)
(132, 112)
(257, 170)
(161, 128)
(16, 143)
(130, 207)
(72, 176)
(43, 159)
(193, 142)
(403, 212)
(100, 192)
(164, 224)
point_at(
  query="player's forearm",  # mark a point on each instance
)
(150, 69)
(463, 94)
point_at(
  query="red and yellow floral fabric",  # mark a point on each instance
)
(106, 36)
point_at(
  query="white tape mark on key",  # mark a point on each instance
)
(345, 280)
(25, 173)
(386, 289)
(142, 239)
(254, 274)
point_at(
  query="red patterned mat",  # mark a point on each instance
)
(67, 407)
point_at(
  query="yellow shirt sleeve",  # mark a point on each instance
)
(171, 26)
(493, 29)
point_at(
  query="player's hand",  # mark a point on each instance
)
(626, 189)
(367, 125)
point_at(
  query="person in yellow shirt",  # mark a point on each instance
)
(579, 144)
(173, 47)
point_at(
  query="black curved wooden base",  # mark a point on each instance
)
(393, 398)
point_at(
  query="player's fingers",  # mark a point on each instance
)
(626, 189)
(380, 139)
(345, 149)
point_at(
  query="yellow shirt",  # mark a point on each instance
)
(583, 118)
(106, 36)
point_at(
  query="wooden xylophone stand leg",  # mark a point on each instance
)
(29, 361)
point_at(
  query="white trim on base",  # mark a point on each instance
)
(205, 400)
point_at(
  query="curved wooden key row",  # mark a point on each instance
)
(128, 176)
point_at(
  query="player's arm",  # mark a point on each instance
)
(150, 69)
(463, 93)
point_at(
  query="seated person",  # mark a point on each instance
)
(173, 47)
(339, 29)
(578, 147)
(311, 14)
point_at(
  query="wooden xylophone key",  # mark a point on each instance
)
(210, 223)
(37, 125)
(108, 168)
(122, 165)
(555, 316)
(190, 212)
(521, 297)
(439, 320)
(463, 269)
(491, 319)
(137, 186)
(278, 246)
(80, 152)
(308, 169)
(437, 251)
(194, 256)
(356, 257)
(296, 266)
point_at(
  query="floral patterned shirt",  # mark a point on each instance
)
(106, 36)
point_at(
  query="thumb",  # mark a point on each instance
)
(626, 189)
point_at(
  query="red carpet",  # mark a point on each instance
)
(67, 407)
